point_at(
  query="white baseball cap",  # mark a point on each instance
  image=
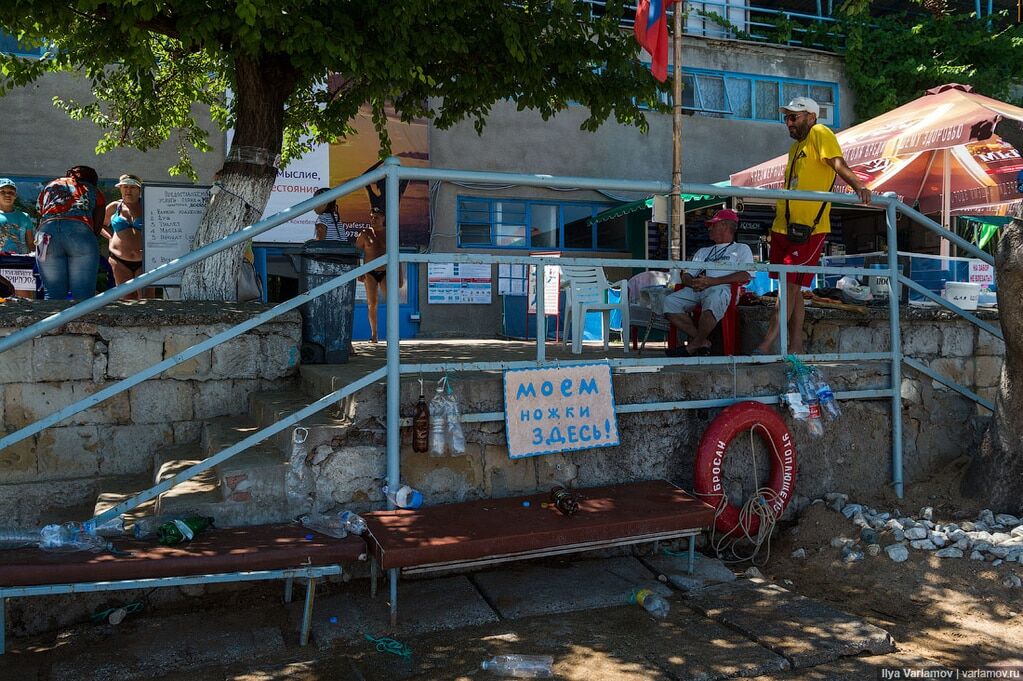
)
(802, 104)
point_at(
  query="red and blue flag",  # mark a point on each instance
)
(651, 29)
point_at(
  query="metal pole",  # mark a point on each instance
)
(783, 314)
(391, 165)
(678, 218)
(896, 340)
(541, 315)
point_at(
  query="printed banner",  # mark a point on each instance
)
(458, 283)
(562, 409)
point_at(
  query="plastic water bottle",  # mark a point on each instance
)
(438, 414)
(651, 602)
(145, 528)
(520, 666)
(404, 497)
(111, 528)
(825, 395)
(809, 394)
(794, 399)
(70, 536)
(12, 538)
(353, 523)
(456, 436)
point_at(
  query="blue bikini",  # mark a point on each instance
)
(119, 223)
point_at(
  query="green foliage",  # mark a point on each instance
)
(157, 66)
(891, 60)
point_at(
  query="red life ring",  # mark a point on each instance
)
(735, 419)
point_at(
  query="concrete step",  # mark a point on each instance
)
(317, 380)
(208, 493)
(257, 472)
(116, 490)
(325, 427)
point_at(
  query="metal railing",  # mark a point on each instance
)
(393, 173)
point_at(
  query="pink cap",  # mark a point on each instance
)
(724, 214)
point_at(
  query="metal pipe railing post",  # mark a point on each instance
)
(896, 348)
(783, 314)
(392, 166)
(541, 315)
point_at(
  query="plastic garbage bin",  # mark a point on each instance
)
(326, 320)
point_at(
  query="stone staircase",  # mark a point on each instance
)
(251, 488)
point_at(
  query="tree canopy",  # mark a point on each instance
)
(150, 62)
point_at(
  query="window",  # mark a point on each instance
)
(537, 225)
(750, 97)
(10, 45)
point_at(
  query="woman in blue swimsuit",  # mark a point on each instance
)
(123, 227)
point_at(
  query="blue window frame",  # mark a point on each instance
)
(10, 45)
(745, 96)
(537, 224)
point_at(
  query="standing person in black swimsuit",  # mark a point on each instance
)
(122, 225)
(373, 244)
(328, 221)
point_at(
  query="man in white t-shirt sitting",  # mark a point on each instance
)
(709, 288)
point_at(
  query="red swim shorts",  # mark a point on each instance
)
(784, 252)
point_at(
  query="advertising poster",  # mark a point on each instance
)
(459, 284)
(561, 409)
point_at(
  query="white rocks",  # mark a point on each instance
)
(967, 526)
(898, 535)
(950, 552)
(923, 544)
(976, 555)
(1006, 519)
(873, 549)
(1001, 538)
(916, 533)
(850, 510)
(997, 562)
(839, 542)
(937, 538)
(963, 544)
(799, 553)
(927, 513)
(897, 552)
(986, 517)
(1017, 532)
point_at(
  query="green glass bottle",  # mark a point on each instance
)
(182, 529)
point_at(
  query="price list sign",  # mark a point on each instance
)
(172, 215)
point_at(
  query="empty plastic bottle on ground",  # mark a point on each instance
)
(520, 666)
(404, 497)
(651, 602)
(353, 522)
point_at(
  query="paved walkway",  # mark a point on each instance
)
(573, 610)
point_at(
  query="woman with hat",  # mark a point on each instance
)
(70, 210)
(122, 225)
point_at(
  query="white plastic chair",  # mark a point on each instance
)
(587, 289)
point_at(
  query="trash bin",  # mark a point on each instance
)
(326, 320)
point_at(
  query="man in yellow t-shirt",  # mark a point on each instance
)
(815, 158)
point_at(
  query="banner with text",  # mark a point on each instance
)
(560, 409)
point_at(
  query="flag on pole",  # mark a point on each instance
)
(651, 29)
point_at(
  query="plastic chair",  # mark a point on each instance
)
(587, 289)
(729, 324)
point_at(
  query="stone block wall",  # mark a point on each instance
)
(60, 470)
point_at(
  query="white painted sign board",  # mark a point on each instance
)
(172, 214)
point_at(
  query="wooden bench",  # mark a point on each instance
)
(492, 531)
(240, 554)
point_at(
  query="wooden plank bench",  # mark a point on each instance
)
(492, 531)
(240, 554)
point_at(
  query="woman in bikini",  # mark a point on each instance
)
(123, 227)
(372, 242)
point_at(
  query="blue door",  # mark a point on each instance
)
(408, 312)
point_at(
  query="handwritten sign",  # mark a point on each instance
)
(981, 273)
(22, 279)
(172, 215)
(559, 410)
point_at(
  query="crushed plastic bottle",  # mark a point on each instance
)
(826, 397)
(651, 602)
(353, 522)
(324, 523)
(404, 497)
(111, 528)
(145, 528)
(794, 399)
(70, 536)
(808, 391)
(520, 666)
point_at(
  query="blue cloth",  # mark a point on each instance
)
(13, 232)
(120, 223)
(72, 259)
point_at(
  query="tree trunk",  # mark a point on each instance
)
(996, 472)
(262, 87)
